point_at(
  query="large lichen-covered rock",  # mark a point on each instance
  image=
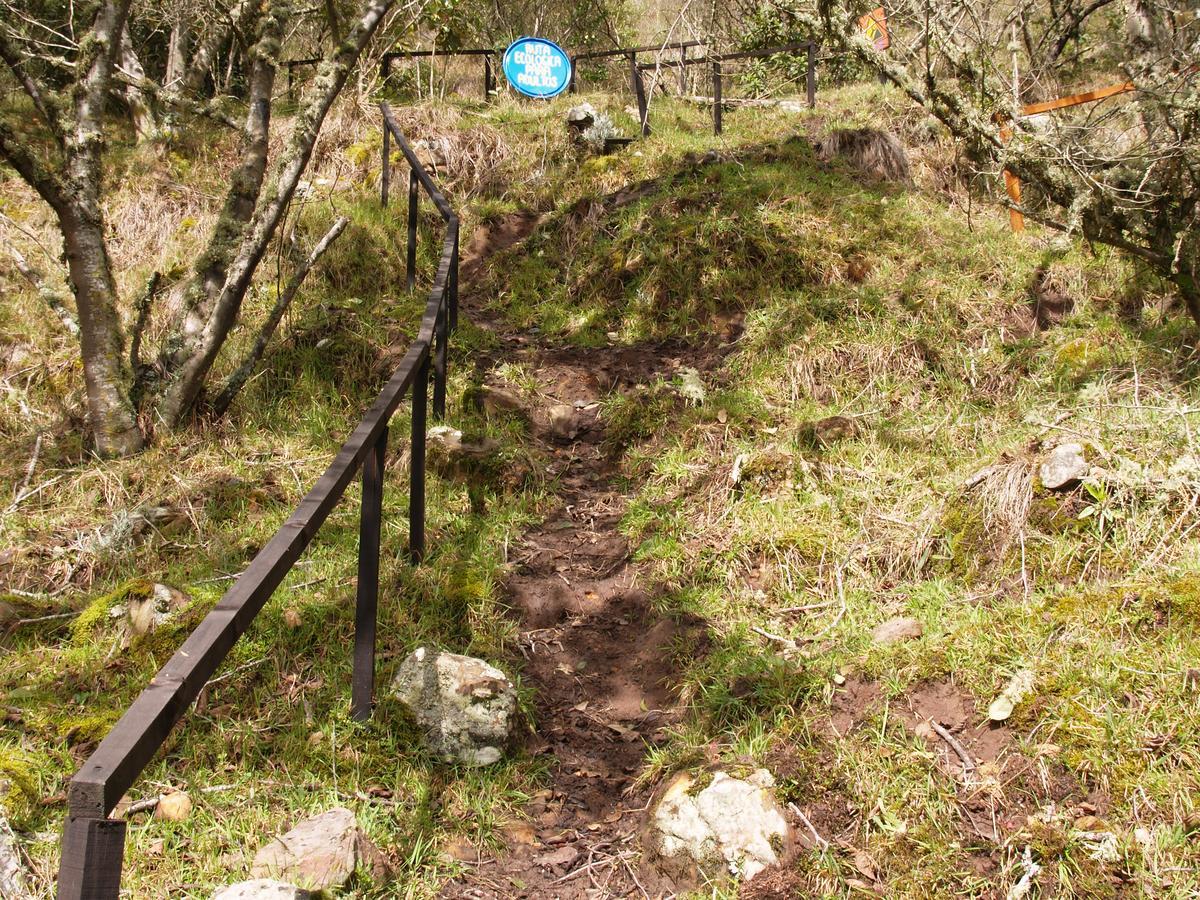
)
(732, 827)
(320, 853)
(465, 706)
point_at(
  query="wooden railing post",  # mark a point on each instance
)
(413, 196)
(416, 476)
(92, 850)
(811, 77)
(386, 181)
(367, 604)
(639, 92)
(454, 280)
(716, 79)
(441, 340)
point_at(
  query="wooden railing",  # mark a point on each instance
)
(93, 844)
(714, 60)
(489, 67)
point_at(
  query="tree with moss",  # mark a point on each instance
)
(1127, 175)
(55, 137)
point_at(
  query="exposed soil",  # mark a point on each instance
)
(601, 660)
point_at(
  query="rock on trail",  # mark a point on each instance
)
(732, 826)
(465, 707)
(320, 853)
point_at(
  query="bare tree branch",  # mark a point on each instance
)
(49, 296)
(235, 382)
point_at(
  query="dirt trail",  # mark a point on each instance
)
(601, 660)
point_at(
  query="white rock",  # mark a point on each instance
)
(899, 629)
(1064, 466)
(733, 826)
(581, 116)
(261, 889)
(321, 852)
(564, 421)
(465, 706)
(1015, 691)
(13, 885)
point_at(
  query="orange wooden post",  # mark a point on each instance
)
(1012, 184)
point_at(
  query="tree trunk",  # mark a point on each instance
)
(112, 417)
(106, 375)
(201, 342)
(145, 123)
(177, 53)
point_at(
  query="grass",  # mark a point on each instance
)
(866, 301)
(927, 355)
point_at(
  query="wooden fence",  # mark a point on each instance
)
(93, 844)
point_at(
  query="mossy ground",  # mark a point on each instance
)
(868, 301)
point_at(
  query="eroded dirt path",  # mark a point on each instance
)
(602, 661)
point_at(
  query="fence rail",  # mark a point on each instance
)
(489, 68)
(714, 60)
(93, 844)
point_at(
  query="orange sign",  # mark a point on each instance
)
(874, 26)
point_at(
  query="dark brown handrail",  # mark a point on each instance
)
(631, 53)
(489, 74)
(714, 60)
(93, 844)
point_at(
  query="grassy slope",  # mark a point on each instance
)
(930, 356)
(923, 353)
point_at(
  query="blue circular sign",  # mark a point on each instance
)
(537, 67)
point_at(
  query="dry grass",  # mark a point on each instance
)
(874, 152)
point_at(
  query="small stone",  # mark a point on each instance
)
(173, 807)
(320, 853)
(496, 401)
(900, 628)
(453, 456)
(838, 678)
(1064, 467)
(1191, 679)
(1015, 691)
(459, 848)
(564, 422)
(261, 889)
(581, 117)
(833, 429)
(465, 707)
(517, 833)
(562, 857)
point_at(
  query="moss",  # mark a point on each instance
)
(15, 768)
(87, 729)
(966, 541)
(96, 612)
(1079, 359)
